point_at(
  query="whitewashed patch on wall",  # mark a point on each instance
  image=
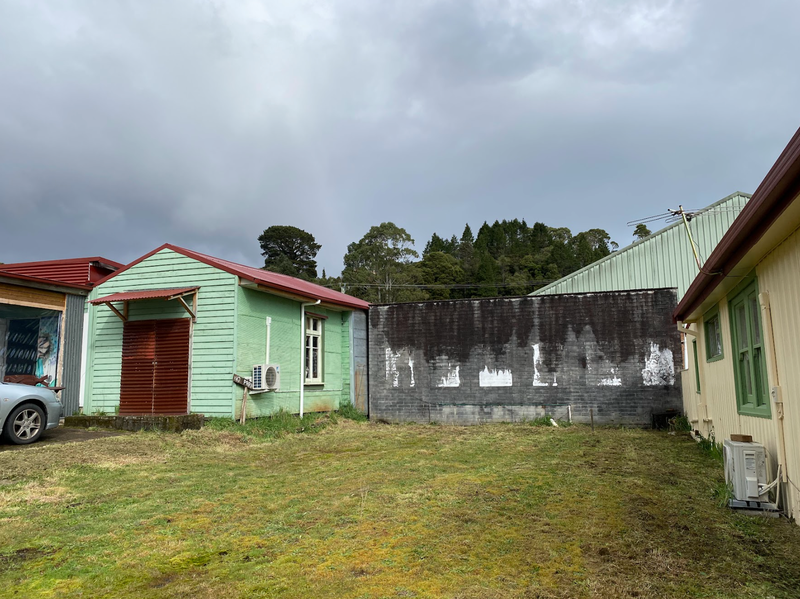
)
(411, 367)
(537, 377)
(610, 381)
(391, 367)
(495, 378)
(659, 368)
(451, 378)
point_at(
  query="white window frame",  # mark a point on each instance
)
(314, 336)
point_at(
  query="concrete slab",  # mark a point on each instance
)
(63, 434)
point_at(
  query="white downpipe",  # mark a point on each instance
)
(269, 326)
(774, 377)
(303, 350)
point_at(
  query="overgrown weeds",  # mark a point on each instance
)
(548, 420)
(723, 492)
(713, 449)
(349, 411)
(283, 423)
(272, 427)
(680, 424)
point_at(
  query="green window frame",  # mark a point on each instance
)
(712, 328)
(747, 342)
(696, 366)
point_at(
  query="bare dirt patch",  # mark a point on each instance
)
(62, 434)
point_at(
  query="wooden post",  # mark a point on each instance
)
(591, 415)
(243, 416)
(247, 384)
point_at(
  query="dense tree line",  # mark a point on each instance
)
(505, 258)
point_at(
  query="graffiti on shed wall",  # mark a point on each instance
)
(537, 364)
(448, 375)
(659, 368)
(499, 358)
(495, 377)
(391, 367)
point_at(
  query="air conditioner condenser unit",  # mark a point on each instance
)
(266, 377)
(746, 474)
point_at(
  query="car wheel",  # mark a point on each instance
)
(25, 424)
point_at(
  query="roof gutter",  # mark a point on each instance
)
(773, 196)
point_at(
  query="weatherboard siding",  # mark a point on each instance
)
(714, 410)
(664, 259)
(253, 308)
(778, 276)
(213, 336)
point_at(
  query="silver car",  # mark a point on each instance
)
(26, 412)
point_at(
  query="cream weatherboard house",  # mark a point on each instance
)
(743, 317)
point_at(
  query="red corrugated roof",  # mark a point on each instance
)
(266, 278)
(127, 296)
(73, 271)
(49, 282)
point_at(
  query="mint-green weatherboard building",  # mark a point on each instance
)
(168, 332)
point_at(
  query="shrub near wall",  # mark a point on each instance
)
(509, 359)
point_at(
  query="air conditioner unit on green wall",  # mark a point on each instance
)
(266, 377)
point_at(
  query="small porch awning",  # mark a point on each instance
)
(149, 294)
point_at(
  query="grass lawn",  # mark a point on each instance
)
(357, 510)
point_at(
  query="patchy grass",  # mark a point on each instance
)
(359, 510)
(272, 427)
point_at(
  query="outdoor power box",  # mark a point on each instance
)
(745, 469)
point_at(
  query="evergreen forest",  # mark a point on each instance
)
(505, 258)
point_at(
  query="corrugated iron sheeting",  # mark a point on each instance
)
(73, 337)
(73, 271)
(155, 367)
(143, 295)
(74, 274)
(664, 259)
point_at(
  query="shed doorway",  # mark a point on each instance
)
(30, 342)
(155, 367)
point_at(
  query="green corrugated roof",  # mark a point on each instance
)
(663, 259)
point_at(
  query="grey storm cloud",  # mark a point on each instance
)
(124, 125)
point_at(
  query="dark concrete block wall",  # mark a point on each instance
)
(511, 359)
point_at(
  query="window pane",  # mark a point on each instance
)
(755, 320)
(315, 364)
(308, 362)
(757, 358)
(747, 374)
(714, 337)
(741, 327)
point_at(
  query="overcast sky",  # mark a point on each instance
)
(128, 124)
